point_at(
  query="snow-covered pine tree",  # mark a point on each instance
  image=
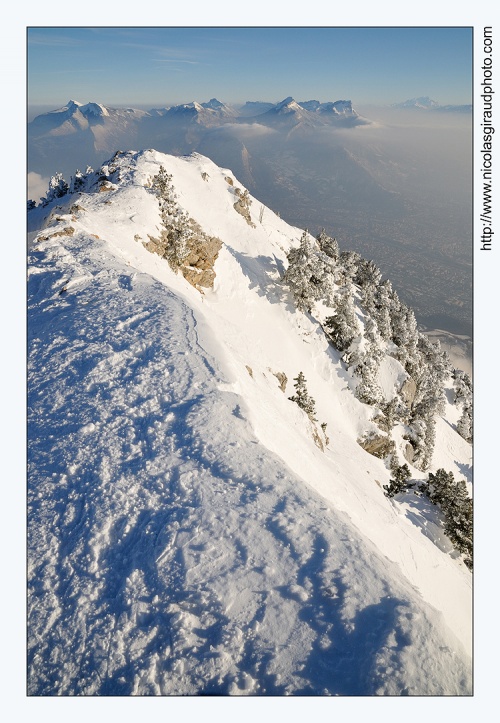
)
(427, 405)
(463, 397)
(302, 398)
(57, 189)
(77, 182)
(368, 390)
(456, 505)
(435, 358)
(394, 411)
(382, 309)
(348, 265)
(342, 327)
(399, 482)
(309, 274)
(175, 222)
(464, 424)
(463, 386)
(367, 273)
(328, 245)
(459, 521)
(404, 334)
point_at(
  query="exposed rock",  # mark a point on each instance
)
(283, 379)
(67, 231)
(381, 422)
(408, 391)
(203, 250)
(197, 277)
(228, 180)
(155, 245)
(409, 452)
(242, 206)
(317, 438)
(249, 370)
(379, 446)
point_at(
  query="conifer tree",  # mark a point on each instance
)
(426, 406)
(382, 309)
(464, 424)
(394, 411)
(309, 274)
(57, 189)
(367, 273)
(302, 398)
(175, 222)
(328, 245)
(368, 390)
(456, 506)
(77, 182)
(463, 386)
(463, 397)
(348, 263)
(401, 476)
(342, 327)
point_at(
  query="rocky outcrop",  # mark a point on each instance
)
(409, 452)
(67, 231)
(408, 391)
(203, 250)
(242, 205)
(282, 379)
(378, 445)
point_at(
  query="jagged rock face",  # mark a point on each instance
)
(242, 206)
(409, 452)
(408, 391)
(379, 446)
(282, 378)
(198, 266)
(67, 231)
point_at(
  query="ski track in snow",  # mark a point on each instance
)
(169, 551)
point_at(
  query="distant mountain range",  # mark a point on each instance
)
(178, 129)
(426, 103)
(77, 116)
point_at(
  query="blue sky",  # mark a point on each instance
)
(163, 66)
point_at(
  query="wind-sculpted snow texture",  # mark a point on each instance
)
(170, 552)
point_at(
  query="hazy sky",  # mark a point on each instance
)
(163, 66)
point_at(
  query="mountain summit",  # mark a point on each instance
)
(426, 103)
(232, 484)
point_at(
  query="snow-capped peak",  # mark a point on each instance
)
(423, 102)
(94, 109)
(214, 104)
(287, 105)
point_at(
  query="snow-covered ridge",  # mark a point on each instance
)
(204, 541)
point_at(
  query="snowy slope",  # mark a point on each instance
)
(186, 535)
